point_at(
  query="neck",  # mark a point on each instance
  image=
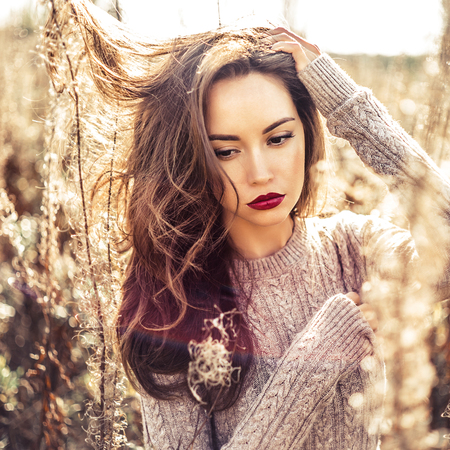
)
(254, 242)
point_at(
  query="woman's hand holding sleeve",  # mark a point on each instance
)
(334, 343)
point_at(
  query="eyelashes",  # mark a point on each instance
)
(274, 141)
(279, 140)
(225, 154)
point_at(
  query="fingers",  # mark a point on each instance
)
(354, 296)
(281, 33)
(285, 41)
(368, 312)
(299, 55)
(370, 315)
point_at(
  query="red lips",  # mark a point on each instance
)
(268, 201)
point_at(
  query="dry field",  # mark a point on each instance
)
(50, 389)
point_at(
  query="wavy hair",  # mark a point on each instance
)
(180, 272)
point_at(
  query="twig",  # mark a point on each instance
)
(86, 225)
(218, 13)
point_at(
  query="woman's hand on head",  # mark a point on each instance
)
(302, 51)
(367, 311)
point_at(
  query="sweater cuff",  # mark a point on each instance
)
(328, 85)
(344, 332)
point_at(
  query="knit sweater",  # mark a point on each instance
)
(318, 379)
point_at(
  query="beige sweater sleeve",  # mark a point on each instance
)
(353, 113)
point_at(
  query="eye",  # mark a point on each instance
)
(281, 139)
(226, 153)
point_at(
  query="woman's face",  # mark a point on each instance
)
(258, 138)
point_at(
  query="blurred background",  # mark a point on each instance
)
(398, 48)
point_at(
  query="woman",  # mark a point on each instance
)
(227, 251)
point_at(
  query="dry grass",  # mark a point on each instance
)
(53, 272)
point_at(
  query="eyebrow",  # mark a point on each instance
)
(232, 137)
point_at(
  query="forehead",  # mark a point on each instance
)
(253, 98)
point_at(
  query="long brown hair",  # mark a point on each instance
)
(179, 273)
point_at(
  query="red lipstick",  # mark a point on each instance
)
(268, 201)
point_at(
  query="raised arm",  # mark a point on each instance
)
(353, 113)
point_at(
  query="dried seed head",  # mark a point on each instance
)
(211, 364)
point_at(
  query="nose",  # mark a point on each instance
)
(258, 168)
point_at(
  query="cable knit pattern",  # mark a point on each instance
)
(318, 379)
(354, 114)
(336, 340)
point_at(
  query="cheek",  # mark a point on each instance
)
(292, 167)
(299, 161)
(301, 166)
(295, 173)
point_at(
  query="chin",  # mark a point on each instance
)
(266, 218)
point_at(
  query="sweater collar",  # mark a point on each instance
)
(279, 262)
